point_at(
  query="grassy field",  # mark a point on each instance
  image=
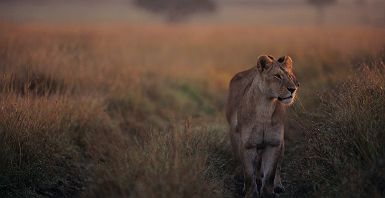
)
(137, 111)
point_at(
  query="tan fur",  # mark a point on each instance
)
(255, 112)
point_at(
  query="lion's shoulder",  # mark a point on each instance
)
(240, 76)
(238, 84)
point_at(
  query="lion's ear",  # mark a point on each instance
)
(264, 62)
(286, 62)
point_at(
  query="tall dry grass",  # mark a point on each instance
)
(46, 143)
(344, 146)
(106, 111)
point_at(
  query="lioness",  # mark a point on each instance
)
(255, 112)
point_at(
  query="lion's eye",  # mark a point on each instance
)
(278, 76)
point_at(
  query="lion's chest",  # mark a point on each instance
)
(261, 123)
(263, 134)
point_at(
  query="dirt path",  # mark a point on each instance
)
(294, 187)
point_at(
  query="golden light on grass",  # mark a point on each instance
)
(100, 110)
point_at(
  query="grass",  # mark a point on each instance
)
(345, 154)
(46, 141)
(137, 111)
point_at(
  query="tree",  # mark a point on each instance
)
(363, 5)
(176, 10)
(361, 2)
(320, 5)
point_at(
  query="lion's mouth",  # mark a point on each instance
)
(281, 99)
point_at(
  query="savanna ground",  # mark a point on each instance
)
(137, 111)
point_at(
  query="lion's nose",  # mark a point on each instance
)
(292, 90)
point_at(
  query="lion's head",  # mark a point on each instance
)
(277, 78)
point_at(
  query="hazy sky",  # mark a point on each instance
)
(289, 12)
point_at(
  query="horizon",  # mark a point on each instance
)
(246, 12)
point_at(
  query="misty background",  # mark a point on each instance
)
(252, 12)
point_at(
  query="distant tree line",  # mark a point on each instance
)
(176, 10)
(320, 5)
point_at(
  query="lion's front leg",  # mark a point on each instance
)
(249, 164)
(278, 187)
(249, 155)
(270, 158)
(235, 139)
